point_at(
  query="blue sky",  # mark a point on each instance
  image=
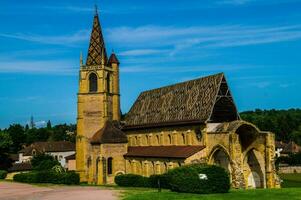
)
(255, 42)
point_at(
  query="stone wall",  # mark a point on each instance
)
(289, 169)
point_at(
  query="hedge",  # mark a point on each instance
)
(162, 179)
(131, 180)
(68, 178)
(187, 179)
(3, 174)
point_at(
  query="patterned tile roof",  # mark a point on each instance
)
(109, 134)
(163, 151)
(188, 101)
(97, 47)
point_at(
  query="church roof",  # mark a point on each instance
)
(163, 151)
(195, 101)
(108, 134)
(113, 59)
(44, 147)
(97, 49)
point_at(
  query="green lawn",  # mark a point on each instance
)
(291, 190)
(266, 194)
(290, 180)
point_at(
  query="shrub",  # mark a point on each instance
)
(49, 176)
(42, 162)
(131, 180)
(186, 179)
(163, 178)
(3, 174)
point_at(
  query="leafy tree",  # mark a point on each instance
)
(5, 141)
(5, 144)
(42, 162)
(284, 123)
(17, 134)
(48, 124)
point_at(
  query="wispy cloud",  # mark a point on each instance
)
(234, 2)
(142, 52)
(68, 40)
(179, 38)
(182, 69)
(63, 67)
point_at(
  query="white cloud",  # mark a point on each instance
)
(141, 52)
(72, 39)
(234, 2)
(63, 67)
(179, 38)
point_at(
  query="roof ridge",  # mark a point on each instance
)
(183, 82)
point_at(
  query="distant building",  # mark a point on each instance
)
(59, 150)
(284, 149)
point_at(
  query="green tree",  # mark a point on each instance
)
(5, 144)
(49, 124)
(42, 162)
(17, 134)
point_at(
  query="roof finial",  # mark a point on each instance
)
(96, 10)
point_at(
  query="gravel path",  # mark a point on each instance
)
(18, 191)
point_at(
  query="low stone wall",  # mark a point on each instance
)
(289, 169)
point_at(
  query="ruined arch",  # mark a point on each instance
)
(220, 156)
(254, 166)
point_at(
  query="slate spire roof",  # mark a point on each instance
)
(200, 100)
(97, 49)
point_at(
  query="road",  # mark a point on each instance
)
(19, 191)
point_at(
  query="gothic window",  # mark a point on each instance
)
(108, 82)
(157, 140)
(110, 165)
(93, 82)
(169, 139)
(183, 138)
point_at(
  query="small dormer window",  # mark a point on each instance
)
(34, 152)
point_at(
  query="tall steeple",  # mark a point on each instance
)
(97, 49)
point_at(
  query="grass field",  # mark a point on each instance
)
(290, 180)
(291, 190)
(268, 194)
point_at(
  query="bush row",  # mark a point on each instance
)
(3, 174)
(195, 178)
(49, 176)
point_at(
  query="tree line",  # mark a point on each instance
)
(286, 124)
(13, 138)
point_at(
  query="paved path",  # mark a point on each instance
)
(18, 191)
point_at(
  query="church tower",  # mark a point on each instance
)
(98, 96)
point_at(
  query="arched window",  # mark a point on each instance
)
(110, 165)
(147, 140)
(89, 162)
(183, 138)
(92, 82)
(157, 140)
(108, 83)
(169, 139)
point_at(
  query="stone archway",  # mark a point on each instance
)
(254, 169)
(220, 157)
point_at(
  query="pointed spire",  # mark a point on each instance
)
(97, 49)
(113, 59)
(96, 10)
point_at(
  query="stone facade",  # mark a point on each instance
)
(191, 122)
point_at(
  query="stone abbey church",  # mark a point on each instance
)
(189, 122)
